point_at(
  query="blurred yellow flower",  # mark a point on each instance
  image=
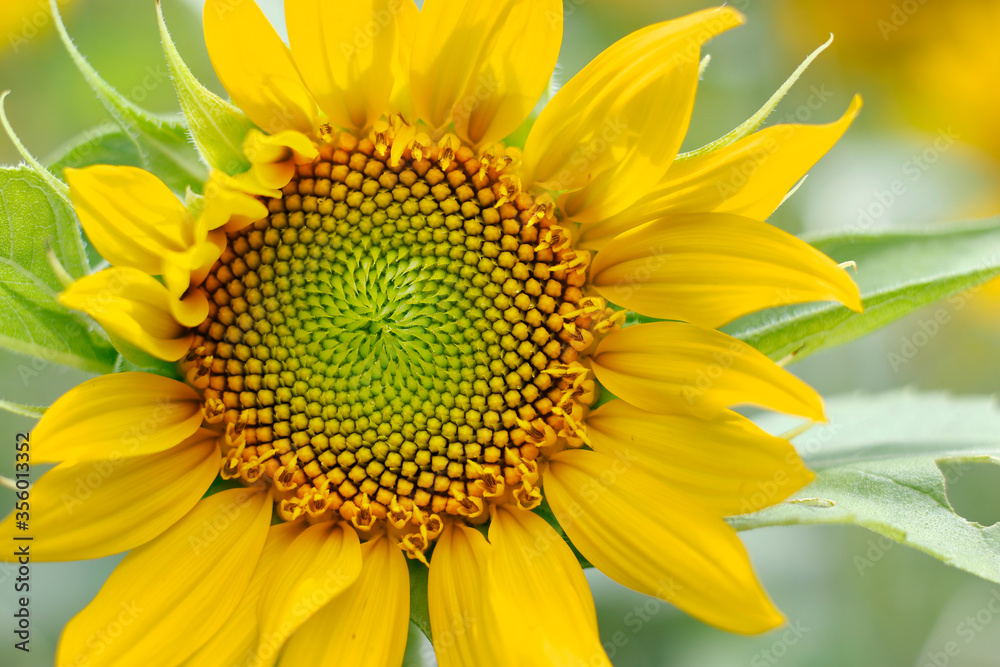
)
(938, 64)
(23, 20)
(937, 60)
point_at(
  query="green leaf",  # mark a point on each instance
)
(161, 143)
(34, 324)
(217, 127)
(57, 187)
(33, 218)
(545, 511)
(420, 615)
(414, 656)
(132, 359)
(878, 465)
(104, 144)
(898, 272)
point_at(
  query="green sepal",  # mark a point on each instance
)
(161, 143)
(217, 127)
(30, 411)
(751, 124)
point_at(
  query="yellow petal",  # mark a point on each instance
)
(235, 643)
(367, 625)
(177, 272)
(462, 621)
(454, 40)
(544, 610)
(90, 509)
(667, 367)
(749, 177)
(726, 465)
(192, 309)
(273, 158)
(256, 68)
(400, 100)
(225, 203)
(184, 584)
(345, 52)
(134, 306)
(116, 416)
(318, 566)
(711, 268)
(509, 79)
(612, 131)
(131, 217)
(639, 533)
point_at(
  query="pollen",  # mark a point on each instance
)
(399, 339)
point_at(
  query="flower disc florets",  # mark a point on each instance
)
(396, 342)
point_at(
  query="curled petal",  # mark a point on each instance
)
(132, 305)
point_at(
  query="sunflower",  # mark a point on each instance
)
(392, 331)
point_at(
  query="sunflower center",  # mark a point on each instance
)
(393, 341)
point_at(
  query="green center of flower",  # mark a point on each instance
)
(392, 340)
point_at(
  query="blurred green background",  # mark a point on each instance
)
(926, 69)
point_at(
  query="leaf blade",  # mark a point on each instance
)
(33, 216)
(898, 273)
(887, 476)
